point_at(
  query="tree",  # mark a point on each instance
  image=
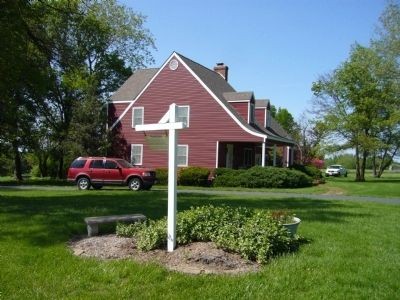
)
(286, 120)
(387, 44)
(22, 73)
(356, 101)
(94, 45)
(309, 139)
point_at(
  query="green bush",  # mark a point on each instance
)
(162, 176)
(311, 171)
(193, 176)
(254, 234)
(263, 177)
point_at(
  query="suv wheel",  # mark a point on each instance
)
(135, 184)
(83, 183)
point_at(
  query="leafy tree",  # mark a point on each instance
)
(356, 101)
(22, 73)
(387, 44)
(94, 47)
(310, 136)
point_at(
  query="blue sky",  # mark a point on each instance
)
(274, 48)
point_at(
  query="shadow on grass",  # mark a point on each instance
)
(45, 218)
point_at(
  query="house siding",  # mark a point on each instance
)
(260, 115)
(209, 122)
(242, 108)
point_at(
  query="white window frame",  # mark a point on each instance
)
(133, 115)
(187, 155)
(141, 154)
(187, 117)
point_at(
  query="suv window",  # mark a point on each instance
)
(111, 164)
(96, 164)
(78, 163)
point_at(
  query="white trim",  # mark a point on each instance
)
(120, 101)
(238, 101)
(187, 156)
(140, 94)
(160, 126)
(141, 154)
(133, 115)
(219, 101)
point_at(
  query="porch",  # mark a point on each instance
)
(244, 155)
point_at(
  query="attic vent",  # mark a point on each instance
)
(173, 64)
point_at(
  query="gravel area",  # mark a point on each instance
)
(195, 258)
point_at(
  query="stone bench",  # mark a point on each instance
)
(93, 222)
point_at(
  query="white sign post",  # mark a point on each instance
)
(168, 122)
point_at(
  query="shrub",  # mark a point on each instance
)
(311, 171)
(255, 235)
(194, 176)
(162, 176)
(264, 177)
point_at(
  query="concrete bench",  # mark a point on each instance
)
(93, 222)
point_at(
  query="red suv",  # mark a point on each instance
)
(99, 171)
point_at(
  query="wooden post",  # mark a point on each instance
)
(172, 170)
(168, 122)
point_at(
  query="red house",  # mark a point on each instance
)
(226, 128)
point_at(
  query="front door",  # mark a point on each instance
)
(229, 156)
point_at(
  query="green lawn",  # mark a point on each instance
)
(354, 250)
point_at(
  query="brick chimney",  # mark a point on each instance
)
(222, 70)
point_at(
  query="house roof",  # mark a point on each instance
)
(238, 96)
(134, 85)
(262, 103)
(217, 85)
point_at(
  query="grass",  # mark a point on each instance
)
(354, 250)
(385, 187)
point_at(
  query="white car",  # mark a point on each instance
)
(336, 170)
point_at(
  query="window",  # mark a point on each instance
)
(78, 163)
(182, 155)
(137, 116)
(111, 164)
(96, 164)
(183, 114)
(137, 154)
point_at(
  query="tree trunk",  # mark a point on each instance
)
(374, 167)
(358, 167)
(17, 161)
(60, 172)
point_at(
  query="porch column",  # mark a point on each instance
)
(292, 156)
(217, 155)
(274, 158)
(263, 154)
(287, 156)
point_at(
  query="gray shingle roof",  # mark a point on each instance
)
(262, 103)
(134, 85)
(236, 96)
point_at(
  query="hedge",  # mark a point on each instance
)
(262, 177)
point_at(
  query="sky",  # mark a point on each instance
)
(275, 49)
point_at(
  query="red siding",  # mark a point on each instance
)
(208, 122)
(261, 116)
(242, 108)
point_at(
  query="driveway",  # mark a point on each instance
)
(394, 201)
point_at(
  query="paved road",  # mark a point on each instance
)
(394, 201)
